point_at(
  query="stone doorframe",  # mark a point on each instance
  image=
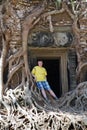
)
(52, 53)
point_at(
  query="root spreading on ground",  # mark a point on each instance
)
(20, 111)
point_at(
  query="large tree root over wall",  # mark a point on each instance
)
(19, 112)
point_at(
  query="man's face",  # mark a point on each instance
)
(40, 63)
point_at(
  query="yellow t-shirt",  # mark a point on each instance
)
(39, 73)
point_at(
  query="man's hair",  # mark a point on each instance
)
(39, 60)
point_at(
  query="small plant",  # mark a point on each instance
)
(58, 4)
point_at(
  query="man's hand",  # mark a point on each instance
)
(34, 78)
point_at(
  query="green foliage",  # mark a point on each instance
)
(58, 3)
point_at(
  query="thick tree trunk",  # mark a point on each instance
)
(5, 34)
(27, 25)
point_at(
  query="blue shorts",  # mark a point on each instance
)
(43, 84)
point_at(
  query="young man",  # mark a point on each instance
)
(40, 73)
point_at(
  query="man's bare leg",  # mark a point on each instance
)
(44, 93)
(53, 94)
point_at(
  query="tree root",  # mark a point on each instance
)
(20, 112)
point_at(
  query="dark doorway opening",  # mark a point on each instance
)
(53, 70)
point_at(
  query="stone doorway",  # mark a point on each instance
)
(52, 57)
